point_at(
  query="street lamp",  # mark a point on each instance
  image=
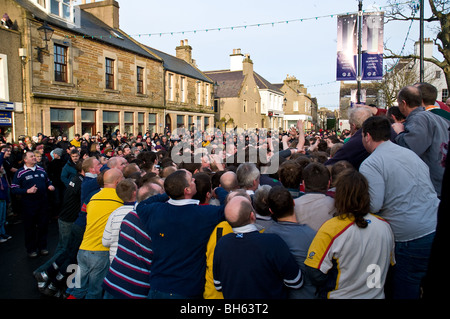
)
(46, 34)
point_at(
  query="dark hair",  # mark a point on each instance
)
(290, 174)
(316, 177)
(125, 189)
(260, 203)
(175, 183)
(352, 196)
(395, 112)
(337, 168)
(203, 185)
(411, 95)
(429, 93)
(378, 127)
(280, 202)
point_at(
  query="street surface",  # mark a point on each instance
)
(16, 268)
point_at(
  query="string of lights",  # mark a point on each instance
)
(415, 8)
(236, 27)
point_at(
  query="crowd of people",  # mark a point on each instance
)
(238, 215)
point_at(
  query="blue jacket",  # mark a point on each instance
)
(68, 172)
(179, 237)
(25, 178)
(4, 186)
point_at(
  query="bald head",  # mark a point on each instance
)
(229, 181)
(117, 162)
(112, 177)
(239, 212)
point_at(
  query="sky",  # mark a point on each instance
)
(304, 49)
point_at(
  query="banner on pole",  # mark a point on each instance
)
(371, 47)
(347, 47)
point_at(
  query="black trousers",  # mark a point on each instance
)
(35, 221)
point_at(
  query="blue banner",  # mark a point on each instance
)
(372, 46)
(372, 66)
(347, 48)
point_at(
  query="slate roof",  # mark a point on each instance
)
(229, 83)
(90, 26)
(179, 66)
(264, 84)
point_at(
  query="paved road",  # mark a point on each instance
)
(16, 268)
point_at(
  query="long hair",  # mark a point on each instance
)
(352, 197)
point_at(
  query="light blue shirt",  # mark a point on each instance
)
(401, 191)
(298, 237)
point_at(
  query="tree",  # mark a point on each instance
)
(400, 74)
(440, 13)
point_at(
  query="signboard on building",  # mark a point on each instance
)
(5, 118)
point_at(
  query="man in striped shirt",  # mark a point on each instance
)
(128, 276)
(126, 190)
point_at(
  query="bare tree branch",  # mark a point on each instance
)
(415, 57)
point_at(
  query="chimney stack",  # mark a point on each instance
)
(247, 65)
(184, 51)
(106, 11)
(236, 60)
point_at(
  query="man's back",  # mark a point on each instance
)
(353, 151)
(179, 237)
(313, 209)
(129, 273)
(401, 190)
(425, 134)
(298, 238)
(254, 265)
(98, 210)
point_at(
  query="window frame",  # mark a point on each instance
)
(64, 64)
(109, 77)
(140, 77)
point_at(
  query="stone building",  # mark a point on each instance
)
(188, 91)
(90, 76)
(298, 104)
(243, 98)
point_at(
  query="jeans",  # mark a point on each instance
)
(93, 267)
(411, 266)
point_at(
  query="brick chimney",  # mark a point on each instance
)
(106, 11)
(184, 51)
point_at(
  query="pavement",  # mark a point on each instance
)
(16, 268)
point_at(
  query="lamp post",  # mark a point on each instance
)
(358, 76)
(46, 33)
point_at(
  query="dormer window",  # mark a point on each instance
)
(62, 9)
